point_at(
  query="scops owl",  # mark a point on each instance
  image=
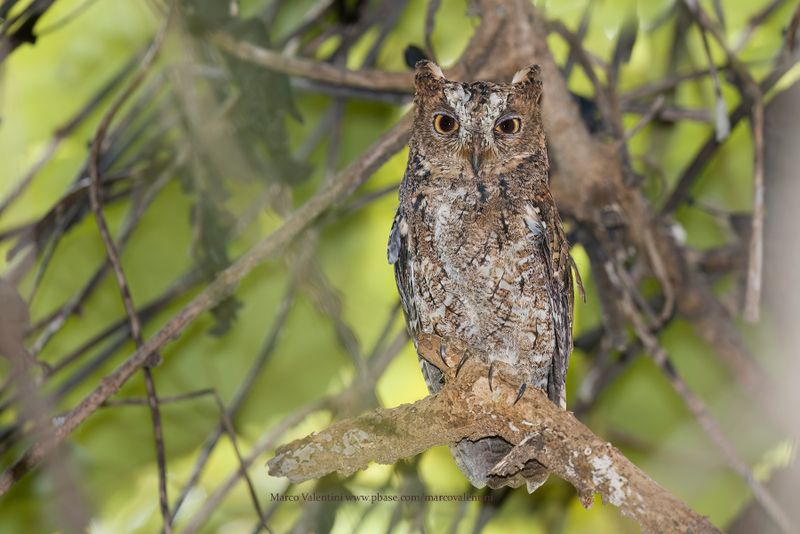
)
(478, 249)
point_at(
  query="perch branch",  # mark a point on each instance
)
(467, 408)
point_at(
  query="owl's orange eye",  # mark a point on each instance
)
(445, 124)
(508, 126)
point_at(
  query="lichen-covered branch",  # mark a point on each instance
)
(468, 408)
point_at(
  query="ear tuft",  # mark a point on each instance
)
(425, 67)
(530, 80)
(528, 74)
(427, 76)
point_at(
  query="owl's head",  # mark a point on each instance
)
(479, 124)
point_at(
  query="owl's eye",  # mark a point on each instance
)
(445, 124)
(508, 126)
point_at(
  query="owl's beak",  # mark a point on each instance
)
(476, 158)
(476, 161)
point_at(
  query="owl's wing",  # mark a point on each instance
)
(545, 224)
(397, 252)
(399, 255)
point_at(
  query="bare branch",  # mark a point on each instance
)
(96, 200)
(313, 70)
(467, 408)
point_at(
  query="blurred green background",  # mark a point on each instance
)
(112, 454)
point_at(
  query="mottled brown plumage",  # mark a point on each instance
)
(477, 244)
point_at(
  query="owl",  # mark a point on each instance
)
(477, 245)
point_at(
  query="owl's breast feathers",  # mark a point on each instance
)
(487, 263)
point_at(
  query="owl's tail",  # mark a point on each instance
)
(479, 460)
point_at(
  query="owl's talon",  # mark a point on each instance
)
(491, 374)
(461, 363)
(521, 392)
(442, 350)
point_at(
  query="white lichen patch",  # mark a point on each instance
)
(604, 472)
(304, 454)
(352, 441)
(298, 457)
(569, 469)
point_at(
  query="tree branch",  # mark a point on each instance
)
(467, 408)
(375, 80)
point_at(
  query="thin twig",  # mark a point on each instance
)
(697, 407)
(356, 392)
(57, 320)
(666, 113)
(662, 86)
(95, 197)
(430, 22)
(239, 397)
(61, 133)
(226, 426)
(313, 70)
(708, 149)
(312, 15)
(580, 34)
(756, 255)
(721, 123)
(583, 58)
(754, 22)
(66, 19)
(215, 499)
(647, 118)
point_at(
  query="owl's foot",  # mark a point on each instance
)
(442, 352)
(446, 354)
(520, 392)
(464, 359)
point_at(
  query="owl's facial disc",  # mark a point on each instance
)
(477, 126)
(481, 109)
